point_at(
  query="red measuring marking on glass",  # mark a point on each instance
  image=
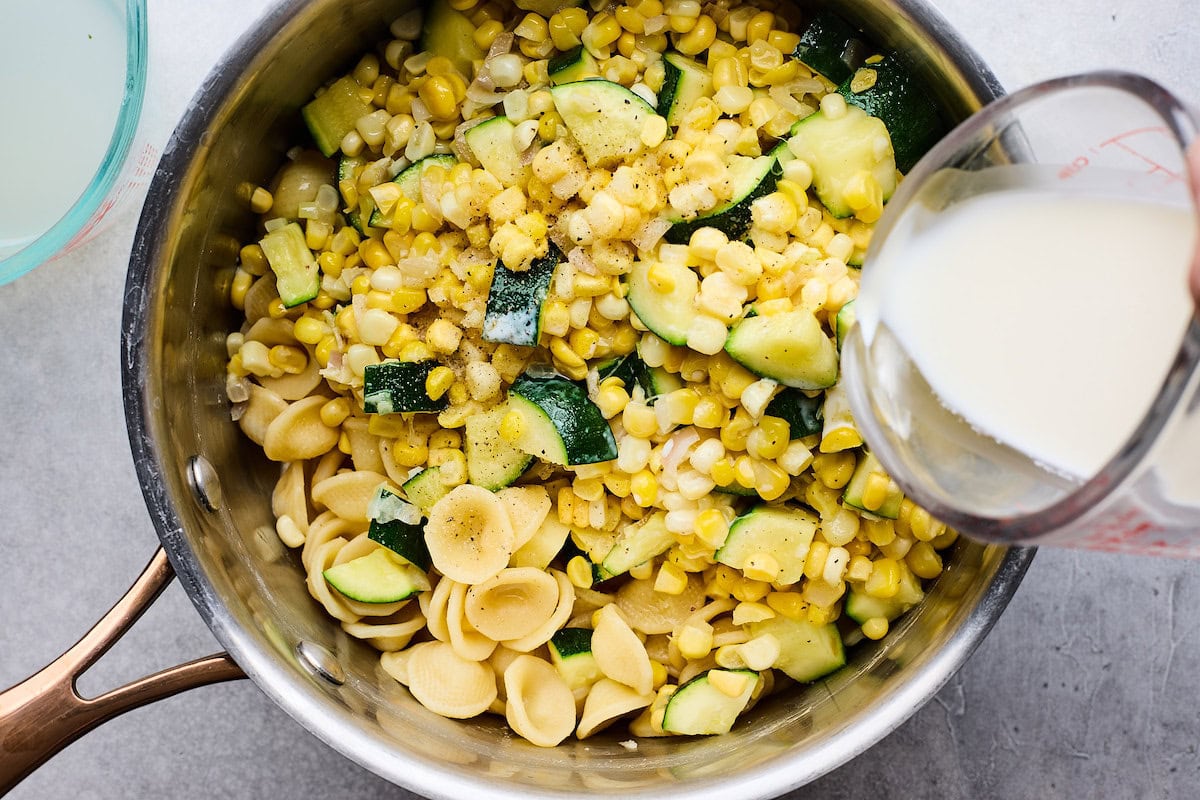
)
(1122, 142)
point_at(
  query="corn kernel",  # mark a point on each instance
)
(438, 382)
(711, 528)
(334, 412)
(924, 561)
(643, 488)
(639, 420)
(875, 628)
(885, 579)
(761, 567)
(695, 640)
(579, 572)
(747, 612)
(671, 579)
(788, 604)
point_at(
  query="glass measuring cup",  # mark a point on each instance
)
(72, 80)
(1076, 139)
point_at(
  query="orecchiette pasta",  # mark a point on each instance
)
(619, 652)
(348, 494)
(607, 702)
(298, 433)
(446, 683)
(464, 638)
(539, 706)
(527, 508)
(469, 535)
(513, 603)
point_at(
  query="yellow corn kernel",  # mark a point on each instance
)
(643, 571)
(723, 472)
(584, 342)
(601, 32)
(769, 439)
(660, 278)
(409, 455)
(875, 628)
(736, 380)
(709, 413)
(309, 330)
(556, 318)
(424, 221)
(387, 426)
(343, 443)
(560, 33)
(459, 394)
(885, 578)
(334, 412)
(839, 439)
(695, 640)
(879, 532)
(924, 561)
(834, 469)
(658, 673)
(438, 95)
(374, 254)
(770, 480)
(486, 33)
(751, 611)
(579, 572)
(438, 382)
(761, 567)
(730, 72)
(323, 349)
(618, 484)
(512, 426)
(235, 366)
(670, 579)
(562, 351)
(743, 472)
(407, 300)
(292, 360)
(783, 41)
(820, 615)
(876, 491)
(360, 285)
(924, 527)
(639, 420)
(759, 27)
(276, 309)
(415, 352)
(736, 431)
(814, 562)
(566, 506)
(788, 604)
(711, 528)
(945, 539)
(611, 399)
(239, 287)
(730, 684)
(261, 200)
(701, 36)
(643, 488)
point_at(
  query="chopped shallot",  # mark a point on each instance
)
(648, 236)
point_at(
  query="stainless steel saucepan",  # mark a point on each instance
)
(208, 489)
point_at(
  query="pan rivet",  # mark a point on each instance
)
(320, 662)
(206, 486)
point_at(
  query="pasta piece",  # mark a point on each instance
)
(527, 507)
(271, 331)
(297, 386)
(469, 536)
(387, 636)
(364, 446)
(649, 611)
(396, 663)
(397, 472)
(261, 410)
(541, 634)
(619, 652)
(288, 499)
(513, 604)
(298, 433)
(448, 684)
(347, 494)
(588, 600)
(259, 297)
(543, 546)
(649, 722)
(358, 547)
(540, 706)
(607, 702)
(324, 528)
(433, 606)
(464, 638)
(322, 559)
(327, 466)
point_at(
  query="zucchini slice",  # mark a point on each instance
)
(492, 143)
(605, 118)
(839, 149)
(684, 82)
(379, 577)
(633, 371)
(492, 462)
(348, 170)
(576, 64)
(449, 33)
(790, 348)
(409, 182)
(830, 46)
(561, 425)
(783, 532)
(405, 540)
(752, 178)
(807, 652)
(393, 386)
(804, 415)
(297, 276)
(846, 317)
(903, 103)
(425, 488)
(333, 113)
(516, 301)
(699, 708)
(668, 314)
(571, 654)
(637, 543)
(861, 606)
(867, 466)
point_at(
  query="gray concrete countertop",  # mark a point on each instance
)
(1084, 689)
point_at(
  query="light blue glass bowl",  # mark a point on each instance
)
(90, 208)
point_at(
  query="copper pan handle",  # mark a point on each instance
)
(45, 713)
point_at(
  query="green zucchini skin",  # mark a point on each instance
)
(803, 414)
(395, 386)
(830, 46)
(568, 642)
(734, 217)
(576, 64)
(332, 115)
(906, 107)
(406, 541)
(516, 299)
(409, 182)
(585, 435)
(684, 82)
(633, 371)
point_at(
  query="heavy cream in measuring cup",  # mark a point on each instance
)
(1046, 321)
(62, 77)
